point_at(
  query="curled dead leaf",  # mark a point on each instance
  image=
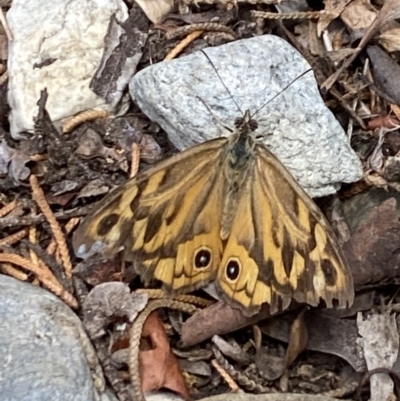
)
(14, 163)
(158, 365)
(298, 338)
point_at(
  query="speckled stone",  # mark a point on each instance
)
(58, 47)
(45, 354)
(260, 74)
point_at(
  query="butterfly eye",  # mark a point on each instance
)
(202, 258)
(107, 223)
(238, 122)
(232, 269)
(253, 124)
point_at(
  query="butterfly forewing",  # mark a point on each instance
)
(166, 219)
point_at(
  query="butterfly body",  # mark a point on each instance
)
(225, 211)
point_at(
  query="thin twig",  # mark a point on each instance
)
(135, 159)
(286, 16)
(52, 247)
(45, 277)
(203, 26)
(8, 208)
(13, 238)
(32, 239)
(80, 118)
(38, 196)
(4, 78)
(7, 29)
(242, 379)
(40, 218)
(183, 44)
(9, 269)
(225, 375)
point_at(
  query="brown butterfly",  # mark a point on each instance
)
(224, 211)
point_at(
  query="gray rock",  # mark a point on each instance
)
(306, 136)
(58, 48)
(45, 355)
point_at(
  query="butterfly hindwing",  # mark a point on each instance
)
(280, 246)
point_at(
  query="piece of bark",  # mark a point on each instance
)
(218, 319)
(372, 251)
(386, 72)
(326, 334)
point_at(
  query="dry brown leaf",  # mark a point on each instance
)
(108, 303)
(389, 12)
(358, 17)
(315, 43)
(96, 270)
(386, 73)
(390, 40)
(298, 338)
(339, 55)
(156, 10)
(14, 163)
(158, 365)
(396, 110)
(333, 8)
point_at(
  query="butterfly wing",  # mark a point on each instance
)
(280, 245)
(166, 219)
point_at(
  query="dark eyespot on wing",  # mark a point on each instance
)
(107, 223)
(232, 269)
(329, 271)
(202, 258)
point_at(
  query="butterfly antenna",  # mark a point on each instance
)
(222, 81)
(281, 91)
(214, 116)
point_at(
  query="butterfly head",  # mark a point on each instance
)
(246, 125)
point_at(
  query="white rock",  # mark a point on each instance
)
(380, 343)
(306, 136)
(45, 354)
(71, 32)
